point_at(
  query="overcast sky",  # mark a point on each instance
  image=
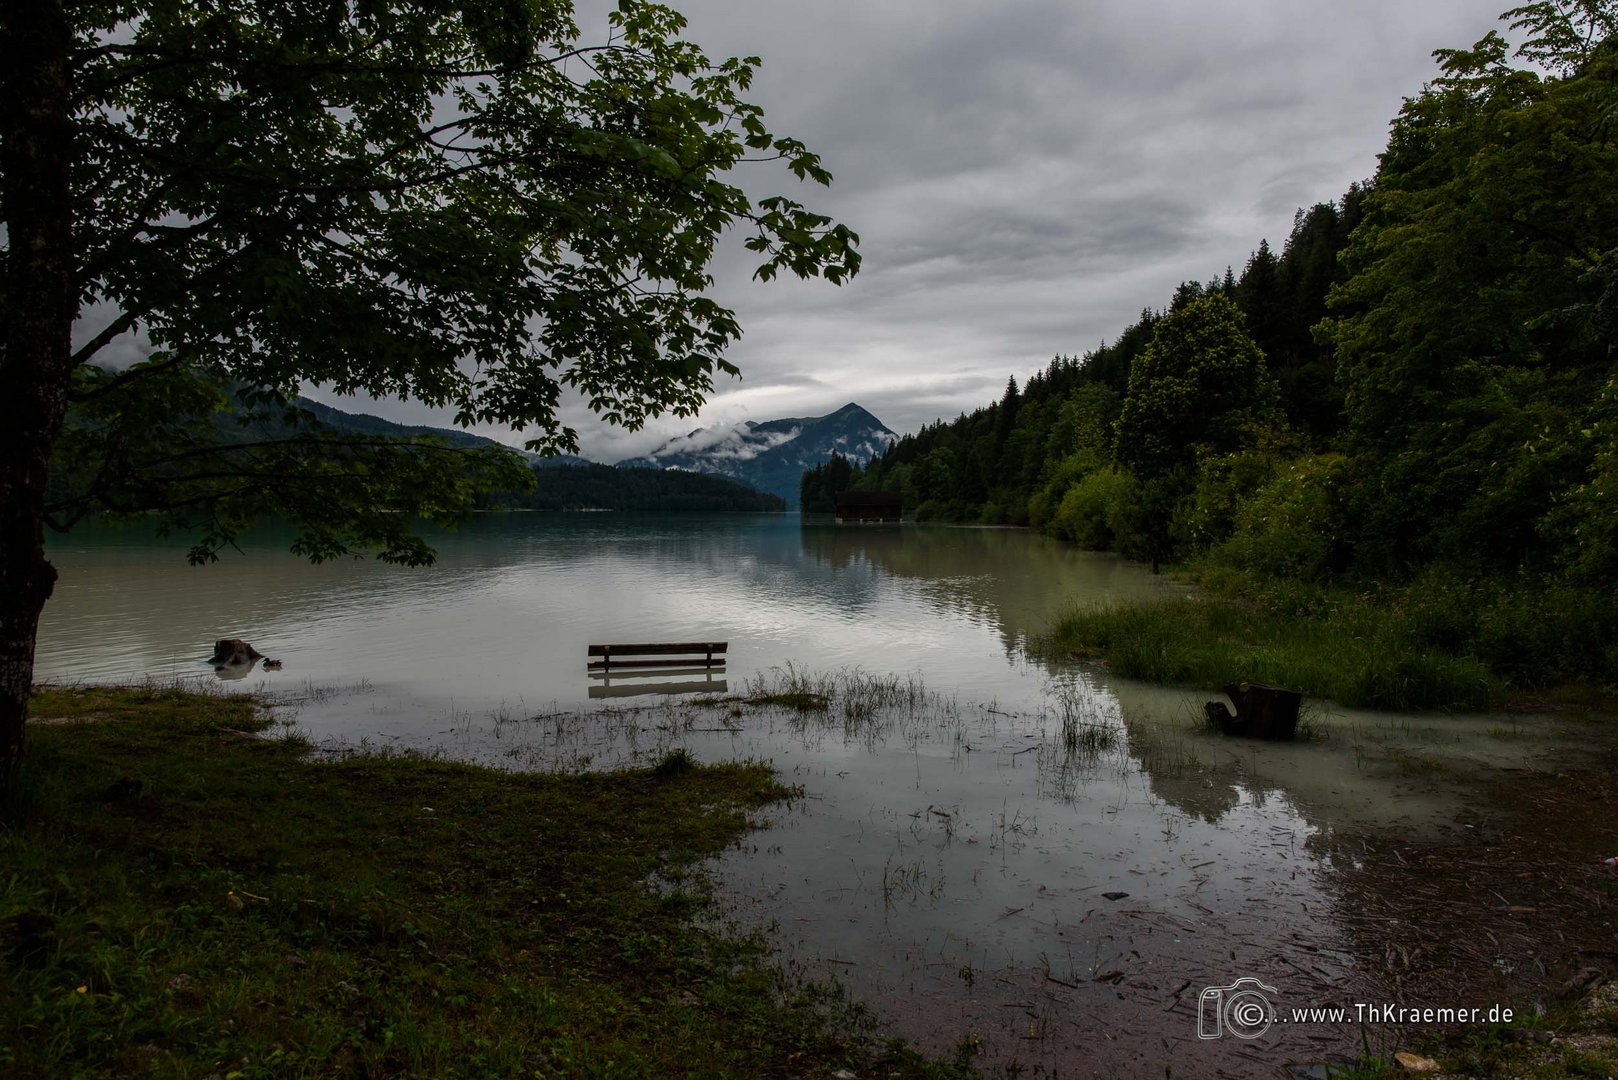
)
(1027, 175)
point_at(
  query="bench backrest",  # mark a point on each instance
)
(675, 649)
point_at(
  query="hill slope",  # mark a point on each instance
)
(375, 425)
(583, 485)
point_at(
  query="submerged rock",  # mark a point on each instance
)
(231, 652)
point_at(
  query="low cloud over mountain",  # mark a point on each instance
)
(773, 455)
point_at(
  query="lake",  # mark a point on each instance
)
(1053, 866)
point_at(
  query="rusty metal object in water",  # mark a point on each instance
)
(1264, 711)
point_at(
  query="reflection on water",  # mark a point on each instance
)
(235, 672)
(1054, 860)
(506, 614)
(662, 681)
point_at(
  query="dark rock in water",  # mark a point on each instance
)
(234, 651)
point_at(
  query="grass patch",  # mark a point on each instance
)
(179, 897)
(1567, 1039)
(676, 762)
(1442, 641)
(793, 700)
(1086, 732)
(791, 688)
(858, 698)
(1409, 763)
(1338, 646)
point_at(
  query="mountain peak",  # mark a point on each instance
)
(773, 454)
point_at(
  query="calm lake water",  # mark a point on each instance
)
(1035, 857)
(514, 599)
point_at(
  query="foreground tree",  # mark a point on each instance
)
(461, 203)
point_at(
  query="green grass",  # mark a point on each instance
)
(1441, 641)
(1340, 647)
(860, 699)
(1568, 1039)
(181, 898)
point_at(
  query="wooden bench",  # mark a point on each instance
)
(706, 654)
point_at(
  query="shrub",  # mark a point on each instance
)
(1042, 510)
(1538, 633)
(1293, 526)
(1043, 507)
(1208, 517)
(1093, 508)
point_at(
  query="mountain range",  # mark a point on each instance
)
(772, 456)
(365, 423)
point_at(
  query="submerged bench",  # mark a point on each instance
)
(674, 654)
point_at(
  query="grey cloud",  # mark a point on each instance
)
(121, 351)
(1027, 175)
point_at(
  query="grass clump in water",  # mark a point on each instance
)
(860, 697)
(676, 762)
(179, 897)
(790, 687)
(1085, 731)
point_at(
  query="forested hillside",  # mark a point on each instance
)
(1015, 460)
(604, 487)
(1419, 389)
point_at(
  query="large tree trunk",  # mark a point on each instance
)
(38, 303)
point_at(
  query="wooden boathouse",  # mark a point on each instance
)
(869, 507)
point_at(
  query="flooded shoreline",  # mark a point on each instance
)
(1029, 859)
(1055, 883)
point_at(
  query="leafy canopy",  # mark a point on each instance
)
(1200, 387)
(466, 204)
(1475, 331)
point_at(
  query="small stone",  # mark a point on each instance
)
(843, 1074)
(1114, 895)
(1415, 1062)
